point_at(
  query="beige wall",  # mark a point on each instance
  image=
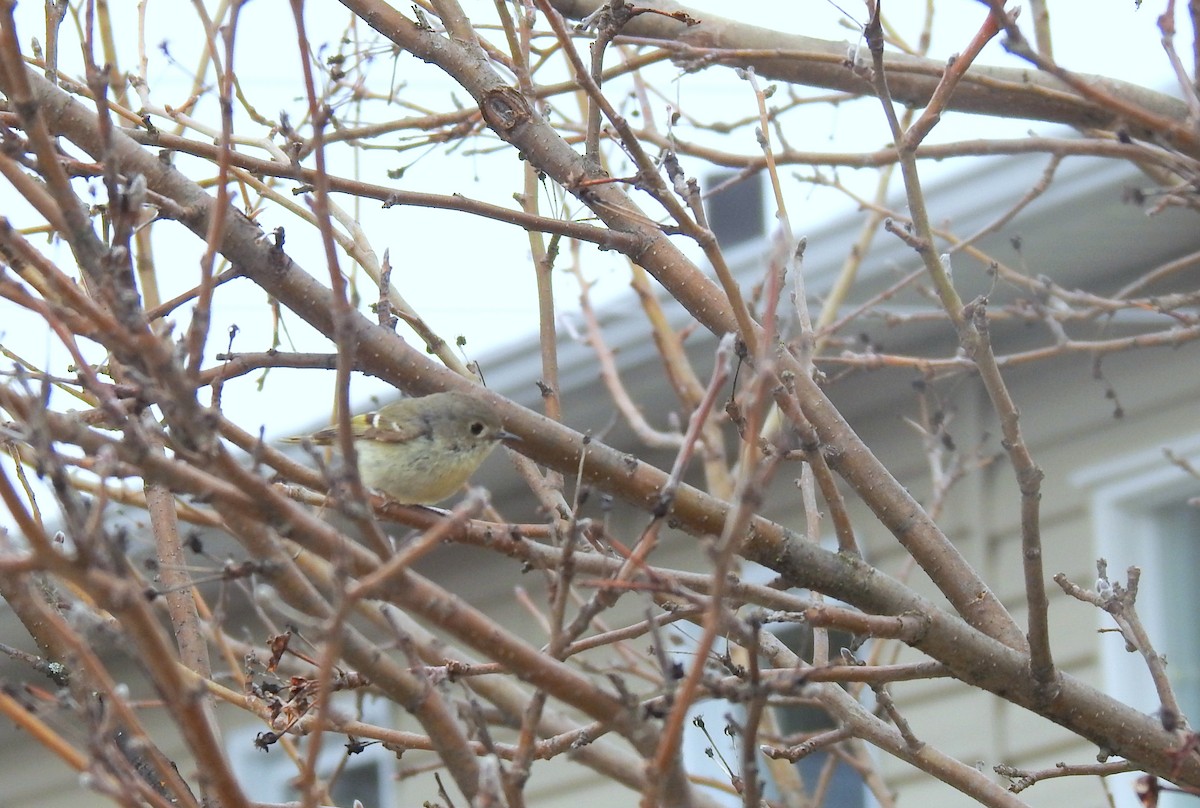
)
(1069, 425)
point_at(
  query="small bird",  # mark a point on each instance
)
(419, 451)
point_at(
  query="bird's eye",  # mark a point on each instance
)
(476, 428)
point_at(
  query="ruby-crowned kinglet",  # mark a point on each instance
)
(418, 451)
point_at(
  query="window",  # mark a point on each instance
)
(735, 208)
(845, 788)
(361, 778)
(366, 776)
(1142, 517)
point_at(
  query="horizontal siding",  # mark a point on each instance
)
(571, 786)
(1061, 791)
(1067, 428)
(1075, 791)
(33, 778)
(1069, 425)
(1068, 546)
(957, 723)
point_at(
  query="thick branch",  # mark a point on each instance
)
(999, 91)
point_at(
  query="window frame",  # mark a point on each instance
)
(1127, 495)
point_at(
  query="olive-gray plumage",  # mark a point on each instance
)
(419, 451)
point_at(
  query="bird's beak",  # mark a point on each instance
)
(509, 437)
